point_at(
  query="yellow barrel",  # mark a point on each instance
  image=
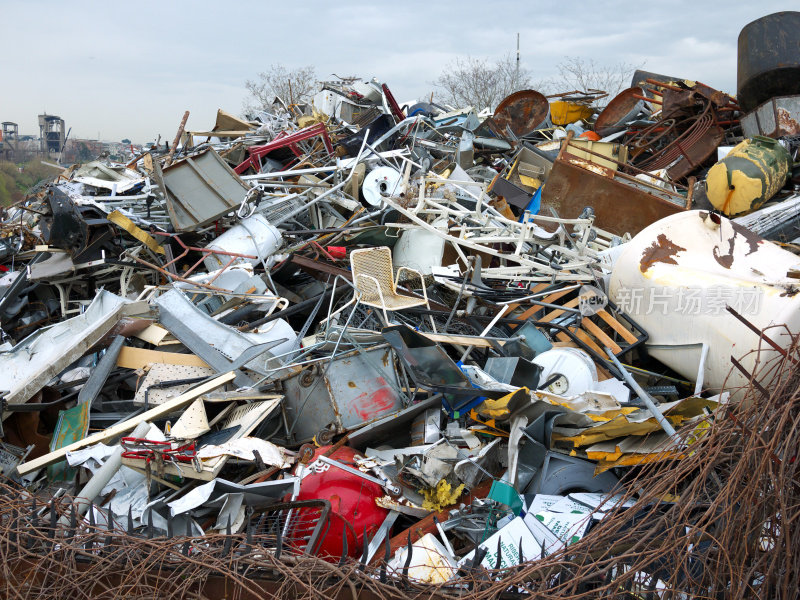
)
(751, 173)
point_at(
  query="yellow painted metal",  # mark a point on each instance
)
(121, 220)
(564, 113)
(752, 173)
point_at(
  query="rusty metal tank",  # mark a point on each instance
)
(769, 59)
(523, 112)
(752, 173)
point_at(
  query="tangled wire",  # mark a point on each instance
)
(722, 522)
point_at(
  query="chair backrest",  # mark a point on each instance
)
(377, 264)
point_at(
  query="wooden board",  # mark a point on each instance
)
(126, 426)
(137, 358)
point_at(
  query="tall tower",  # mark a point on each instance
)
(10, 139)
(52, 134)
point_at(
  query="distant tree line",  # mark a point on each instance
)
(465, 81)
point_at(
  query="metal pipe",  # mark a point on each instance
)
(330, 191)
(291, 173)
(485, 331)
(645, 397)
(84, 498)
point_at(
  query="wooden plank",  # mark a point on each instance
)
(556, 313)
(584, 337)
(618, 327)
(186, 471)
(601, 335)
(158, 479)
(152, 334)
(126, 426)
(537, 307)
(137, 358)
(535, 290)
(566, 342)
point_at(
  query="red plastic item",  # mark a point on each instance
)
(352, 501)
(337, 251)
(590, 135)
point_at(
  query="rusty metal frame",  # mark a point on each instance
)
(186, 249)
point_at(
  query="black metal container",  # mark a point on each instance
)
(769, 59)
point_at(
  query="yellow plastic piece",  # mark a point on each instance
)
(530, 181)
(497, 409)
(441, 496)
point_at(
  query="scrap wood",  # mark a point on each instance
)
(128, 425)
(137, 358)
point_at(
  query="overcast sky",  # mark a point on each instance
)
(130, 69)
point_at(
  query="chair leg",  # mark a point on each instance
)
(427, 304)
(344, 330)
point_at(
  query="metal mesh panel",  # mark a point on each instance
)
(297, 527)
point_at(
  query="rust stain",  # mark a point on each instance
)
(786, 124)
(662, 250)
(522, 111)
(351, 384)
(725, 260)
(334, 403)
(752, 239)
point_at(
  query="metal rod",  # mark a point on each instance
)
(760, 334)
(645, 397)
(485, 331)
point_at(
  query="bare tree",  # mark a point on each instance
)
(578, 73)
(290, 85)
(479, 83)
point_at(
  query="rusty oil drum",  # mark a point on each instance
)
(769, 59)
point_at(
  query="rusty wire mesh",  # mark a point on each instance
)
(720, 523)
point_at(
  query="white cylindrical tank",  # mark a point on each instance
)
(254, 236)
(676, 277)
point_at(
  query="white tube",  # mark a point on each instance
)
(102, 476)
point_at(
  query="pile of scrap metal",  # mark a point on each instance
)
(410, 334)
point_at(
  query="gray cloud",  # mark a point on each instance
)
(130, 70)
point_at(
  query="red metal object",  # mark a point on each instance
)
(165, 270)
(393, 105)
(352, 499)
(283, 140)
(147, 450)
(337, 251)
